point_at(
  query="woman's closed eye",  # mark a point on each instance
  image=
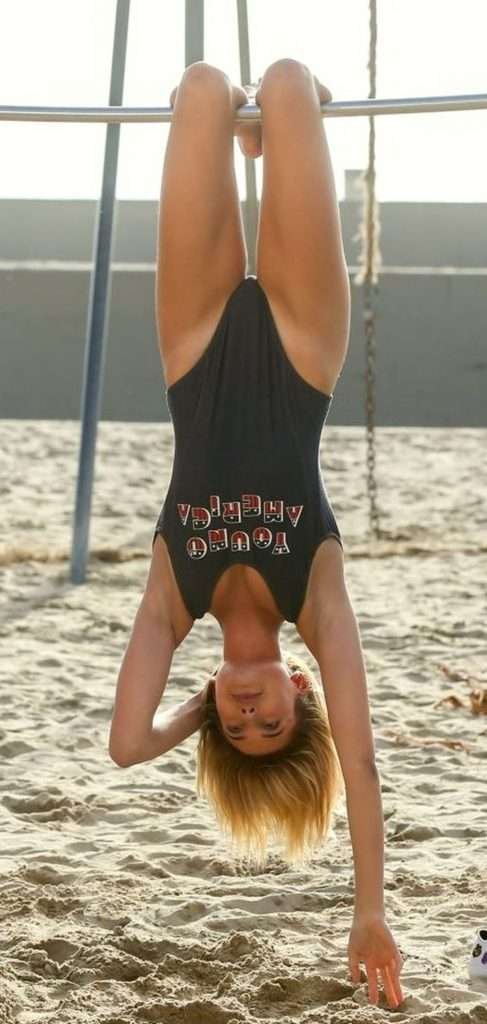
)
(236, 730)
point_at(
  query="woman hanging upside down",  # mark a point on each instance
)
(247, 532)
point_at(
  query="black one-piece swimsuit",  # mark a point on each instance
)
(246, 484)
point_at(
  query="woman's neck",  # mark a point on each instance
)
(247, 637)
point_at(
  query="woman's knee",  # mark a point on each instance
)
(285, 70)
(203, 75)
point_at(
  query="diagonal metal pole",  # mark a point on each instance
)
(98, 308)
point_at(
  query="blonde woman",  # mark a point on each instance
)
(247, 532)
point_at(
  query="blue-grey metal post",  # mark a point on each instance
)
(194, 31)
(251, 206)
(98, 307)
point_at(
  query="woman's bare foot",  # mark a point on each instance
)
(323, 91)
(249, 135)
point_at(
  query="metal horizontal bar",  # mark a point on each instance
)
(247, 112)
(83, 266)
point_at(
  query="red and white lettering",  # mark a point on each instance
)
(251, 504)
(294, 513)
(240, 541)
(215, 505)
(183, 509)
(196, 547)
(218, 539)
(280, 547)
(261, 537)
(200, 516)
(273, 511)
(231, 512)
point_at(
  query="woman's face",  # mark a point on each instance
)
(256, 704)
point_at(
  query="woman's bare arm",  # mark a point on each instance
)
(141, 682)
(171, 727)
(337, 649)
(137, 733)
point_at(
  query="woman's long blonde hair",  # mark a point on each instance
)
(290, 793)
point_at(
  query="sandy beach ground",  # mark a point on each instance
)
(119, 900)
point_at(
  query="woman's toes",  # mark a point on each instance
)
(250, 140)
(250, 148)
(323, 91)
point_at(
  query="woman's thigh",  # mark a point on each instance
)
(300, 256)
(201, 255)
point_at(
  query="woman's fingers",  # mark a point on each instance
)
(392, 987)
(390, 984)
(373, 987)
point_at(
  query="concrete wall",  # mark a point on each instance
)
(431, 329)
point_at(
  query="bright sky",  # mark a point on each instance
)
(58, 52)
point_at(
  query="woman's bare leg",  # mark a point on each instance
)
(300, 257)
(201, 253)
(249, 135)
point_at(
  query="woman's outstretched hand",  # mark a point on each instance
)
(372, 942)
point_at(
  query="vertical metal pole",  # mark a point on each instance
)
(251, 207)
(194, 31)
(98, 307)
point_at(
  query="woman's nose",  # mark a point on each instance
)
(247, 708)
